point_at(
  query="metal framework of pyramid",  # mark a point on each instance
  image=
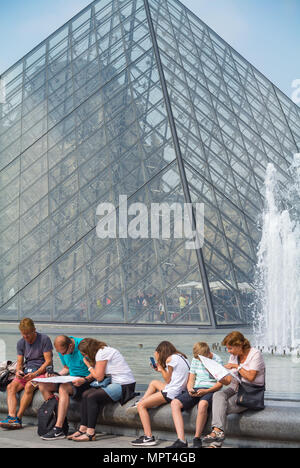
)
(135, 97)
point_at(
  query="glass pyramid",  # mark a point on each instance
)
(135, 97)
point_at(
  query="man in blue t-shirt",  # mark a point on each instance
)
(73, 365)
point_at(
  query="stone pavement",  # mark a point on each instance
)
(28, 438)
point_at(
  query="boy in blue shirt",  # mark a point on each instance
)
(73, 365)
(200, 389)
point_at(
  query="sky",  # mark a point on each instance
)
(265, 32)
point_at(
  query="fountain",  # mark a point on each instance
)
(277, 309)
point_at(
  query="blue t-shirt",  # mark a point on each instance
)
(74, 361)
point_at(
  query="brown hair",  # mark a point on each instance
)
(202, 349)
(26, 325)
(90, 347)
(236, 338)
(165, 349)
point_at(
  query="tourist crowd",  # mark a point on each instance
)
(101, 375)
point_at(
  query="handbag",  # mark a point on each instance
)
(128, 393)
(251, 396)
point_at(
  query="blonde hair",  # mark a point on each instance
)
(201, 348)
(236, 338)
(26, 324)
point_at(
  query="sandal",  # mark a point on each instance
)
(218, 438)
(74, 436)
(85, 438)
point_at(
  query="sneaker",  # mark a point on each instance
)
(11, 423)
(178, 444)
(144, 441)
(55, 433)
(197, 442)
(5, 422)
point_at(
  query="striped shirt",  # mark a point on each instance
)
(203, 378)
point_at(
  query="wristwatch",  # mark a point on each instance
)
(240, 367)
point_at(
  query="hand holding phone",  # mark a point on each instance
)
(153, 363)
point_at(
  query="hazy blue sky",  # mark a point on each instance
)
(266, 32)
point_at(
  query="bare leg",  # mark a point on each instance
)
(47, 390)
(176, 407)
(201, 417)
(12, 389)
(65, 391)
(153, 387)
(26, 399)
(152, 401)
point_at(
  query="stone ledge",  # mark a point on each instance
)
(276, 426)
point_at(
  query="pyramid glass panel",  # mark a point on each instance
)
(137, 98)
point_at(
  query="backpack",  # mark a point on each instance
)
(4, 380)
(7, 374)
(47, 416)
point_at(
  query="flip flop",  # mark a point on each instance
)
(89, 438)
(73, 436)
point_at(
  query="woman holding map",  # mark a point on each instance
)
(248, 365)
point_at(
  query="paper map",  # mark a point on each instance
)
(55, 379)
(216, 370)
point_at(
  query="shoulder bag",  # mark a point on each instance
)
(251, 396)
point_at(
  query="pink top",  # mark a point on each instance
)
(254, 361)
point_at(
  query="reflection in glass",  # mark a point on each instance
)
(85, 120)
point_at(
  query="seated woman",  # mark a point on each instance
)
(174, 368)
(102, 360)
(249, 364)
(200, 389)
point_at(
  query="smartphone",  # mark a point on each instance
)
(193, 390)
(152, 360)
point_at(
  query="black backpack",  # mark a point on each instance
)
(4, 380)
(7, 374)
(47, 416)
